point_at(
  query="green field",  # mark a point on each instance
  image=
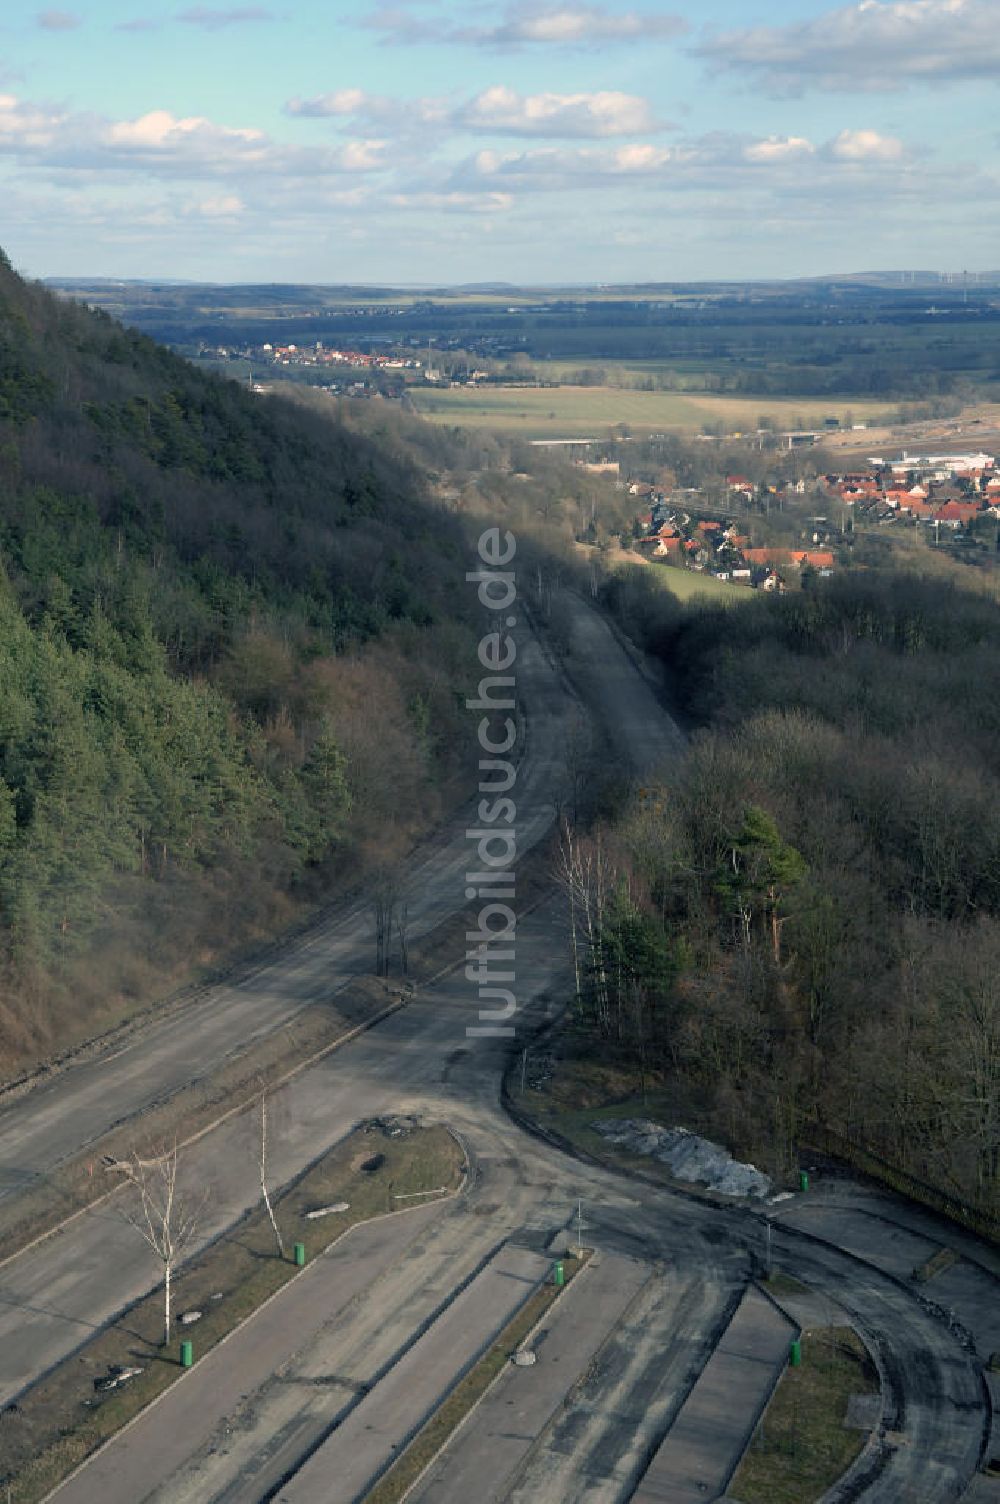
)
(593, 411)
(802, 1445)
(687, 585)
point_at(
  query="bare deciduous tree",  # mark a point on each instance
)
(586, 876)
(385, 907)
(265, 1194)
(161, 1215)
(402, 930)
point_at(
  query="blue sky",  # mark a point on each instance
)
(547, 141)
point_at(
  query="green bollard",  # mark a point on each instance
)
(187, 1353)
(558, 1273)
(299, 1252)
(795, 1354)
(803, 1181)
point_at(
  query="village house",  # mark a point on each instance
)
(957, 513)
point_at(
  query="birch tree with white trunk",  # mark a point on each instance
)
(163, 1217)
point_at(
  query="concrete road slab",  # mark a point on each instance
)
(896, 1249)
(898, 1240)
(983, 1491)
(972, 1295)
(375, 1432)
(596, 1449)
(279, 1425)
(169, 1432)
(704, 1445)
(494, 1442)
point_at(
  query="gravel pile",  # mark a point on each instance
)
(686, 1155)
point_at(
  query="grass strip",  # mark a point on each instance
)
(802, 1445)
(60, 1420)
(938, 1263)
(779, 1284)
(438, 1430)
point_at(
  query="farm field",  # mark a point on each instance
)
(585, 412)
(685, 584)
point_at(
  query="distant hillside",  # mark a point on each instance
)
(911, 336)
(226, 631)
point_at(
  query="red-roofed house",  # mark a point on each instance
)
(783, 558)
(919, 509)
(957, 513)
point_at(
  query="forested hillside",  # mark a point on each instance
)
(227, 634)
(810, 910)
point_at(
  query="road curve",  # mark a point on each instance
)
(421, 1059)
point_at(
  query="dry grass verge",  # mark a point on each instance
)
(938, 1263)
(779, 1284)
(61, 1420)
(802, 1445)
(435, 1434)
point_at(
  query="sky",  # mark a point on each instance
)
(423, 141)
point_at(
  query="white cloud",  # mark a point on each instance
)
(374, 109)
(779, 149)
(455, 201)
(642, 158)
(875, 45)
(502, 110)
(718, 161)
(865, 146)
(58, 20)
(567, 25)
(558, 168)
(27, 126)
(223, 206)
(581, 24)
(215, 20)
(162, 143)
(343, 102)
(161, 131)
(498, 110)
(362, 156)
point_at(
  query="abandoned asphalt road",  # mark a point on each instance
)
(525, 1189)
(420, 1059)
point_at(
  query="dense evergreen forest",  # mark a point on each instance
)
(228, 630)
(805, 921)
